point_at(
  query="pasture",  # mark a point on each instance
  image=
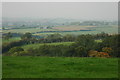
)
(37, 45)
(40, 44)
(59, 67)
(11, 39)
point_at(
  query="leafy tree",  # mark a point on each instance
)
(86, 41)
(8, 36)
(43, 50)
(54, 38)
(101, 35)
(26, 36)
(80, 51)
(68, 51)
(112, 42)
(69, 37)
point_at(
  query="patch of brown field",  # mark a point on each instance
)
(72, 28)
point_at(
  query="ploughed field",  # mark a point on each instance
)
(72, 28)
(59, 67)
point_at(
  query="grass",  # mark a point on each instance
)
(59, 67)
(57, 43)
(0, 66)
(73, 33)
(40, 44)
(11, 39)
(98, 41)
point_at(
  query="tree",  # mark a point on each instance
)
(80, 51)
(8, 36)
(69, 37)
(101, 35)
(54, 38)
(86, 41)
(26, 36)
(43, 50)
(112, 42)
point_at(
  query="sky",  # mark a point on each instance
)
(74, 10)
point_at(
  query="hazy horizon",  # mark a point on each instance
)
(68, 10)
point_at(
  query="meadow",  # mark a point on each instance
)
(11, 39)
(59, 67)
(37, 45)
(25, 47)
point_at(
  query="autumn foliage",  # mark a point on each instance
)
(107, 50)
(93, 53)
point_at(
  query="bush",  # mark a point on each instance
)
(107, 50)
(15, 49)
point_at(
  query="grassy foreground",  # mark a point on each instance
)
(59, 67)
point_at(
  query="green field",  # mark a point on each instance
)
(37, 45)
(40, 44)
(59, 67)
(11, 39)
(98, 41)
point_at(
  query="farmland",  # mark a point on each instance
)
(73, 28)
(59, 67)
(63, 30)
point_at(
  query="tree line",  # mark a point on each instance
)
(84, 46)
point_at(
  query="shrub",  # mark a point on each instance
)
(92, 53)
(16, 49)
(107, 50)
(80, 51)
(21, 53)
(102, 54)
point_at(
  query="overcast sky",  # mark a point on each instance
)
(76, 10)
